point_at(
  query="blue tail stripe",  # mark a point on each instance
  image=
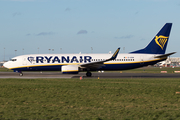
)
(159, 42)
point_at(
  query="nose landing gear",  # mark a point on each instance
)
(88, 74)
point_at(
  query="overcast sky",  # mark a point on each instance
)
(73, 26)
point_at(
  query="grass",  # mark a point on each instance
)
(2, 69)
(126, 99)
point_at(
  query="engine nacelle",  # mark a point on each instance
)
(70, 69)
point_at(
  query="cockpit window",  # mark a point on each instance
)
(13, 60)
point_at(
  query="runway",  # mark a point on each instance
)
(95, 75)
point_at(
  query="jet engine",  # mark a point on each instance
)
(70, 69)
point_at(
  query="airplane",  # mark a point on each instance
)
(153, 53)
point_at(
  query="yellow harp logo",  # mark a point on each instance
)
(161, 41)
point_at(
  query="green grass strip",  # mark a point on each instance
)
(101, 99)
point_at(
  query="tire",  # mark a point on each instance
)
(88, 74)
(21, 74)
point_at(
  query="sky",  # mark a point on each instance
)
(86, 26)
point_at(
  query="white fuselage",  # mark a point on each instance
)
(48, 62)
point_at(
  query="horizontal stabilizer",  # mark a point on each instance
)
(165, 55)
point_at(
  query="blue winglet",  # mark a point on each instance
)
(115, 54)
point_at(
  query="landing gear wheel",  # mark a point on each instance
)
(21, 74)
(88, 74)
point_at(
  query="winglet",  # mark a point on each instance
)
(99, 63)
(115, 54)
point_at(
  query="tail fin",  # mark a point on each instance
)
(159, 42)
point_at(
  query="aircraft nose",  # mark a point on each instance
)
(6, 64)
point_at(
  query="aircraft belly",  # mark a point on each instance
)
(40, 68)
(120, 66)
(127, 66)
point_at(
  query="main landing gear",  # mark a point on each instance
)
(88, 74)
(20, 73)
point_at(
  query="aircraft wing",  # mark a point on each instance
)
(165, 55)
(99, 63)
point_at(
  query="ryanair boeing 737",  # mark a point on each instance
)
(73, 63)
